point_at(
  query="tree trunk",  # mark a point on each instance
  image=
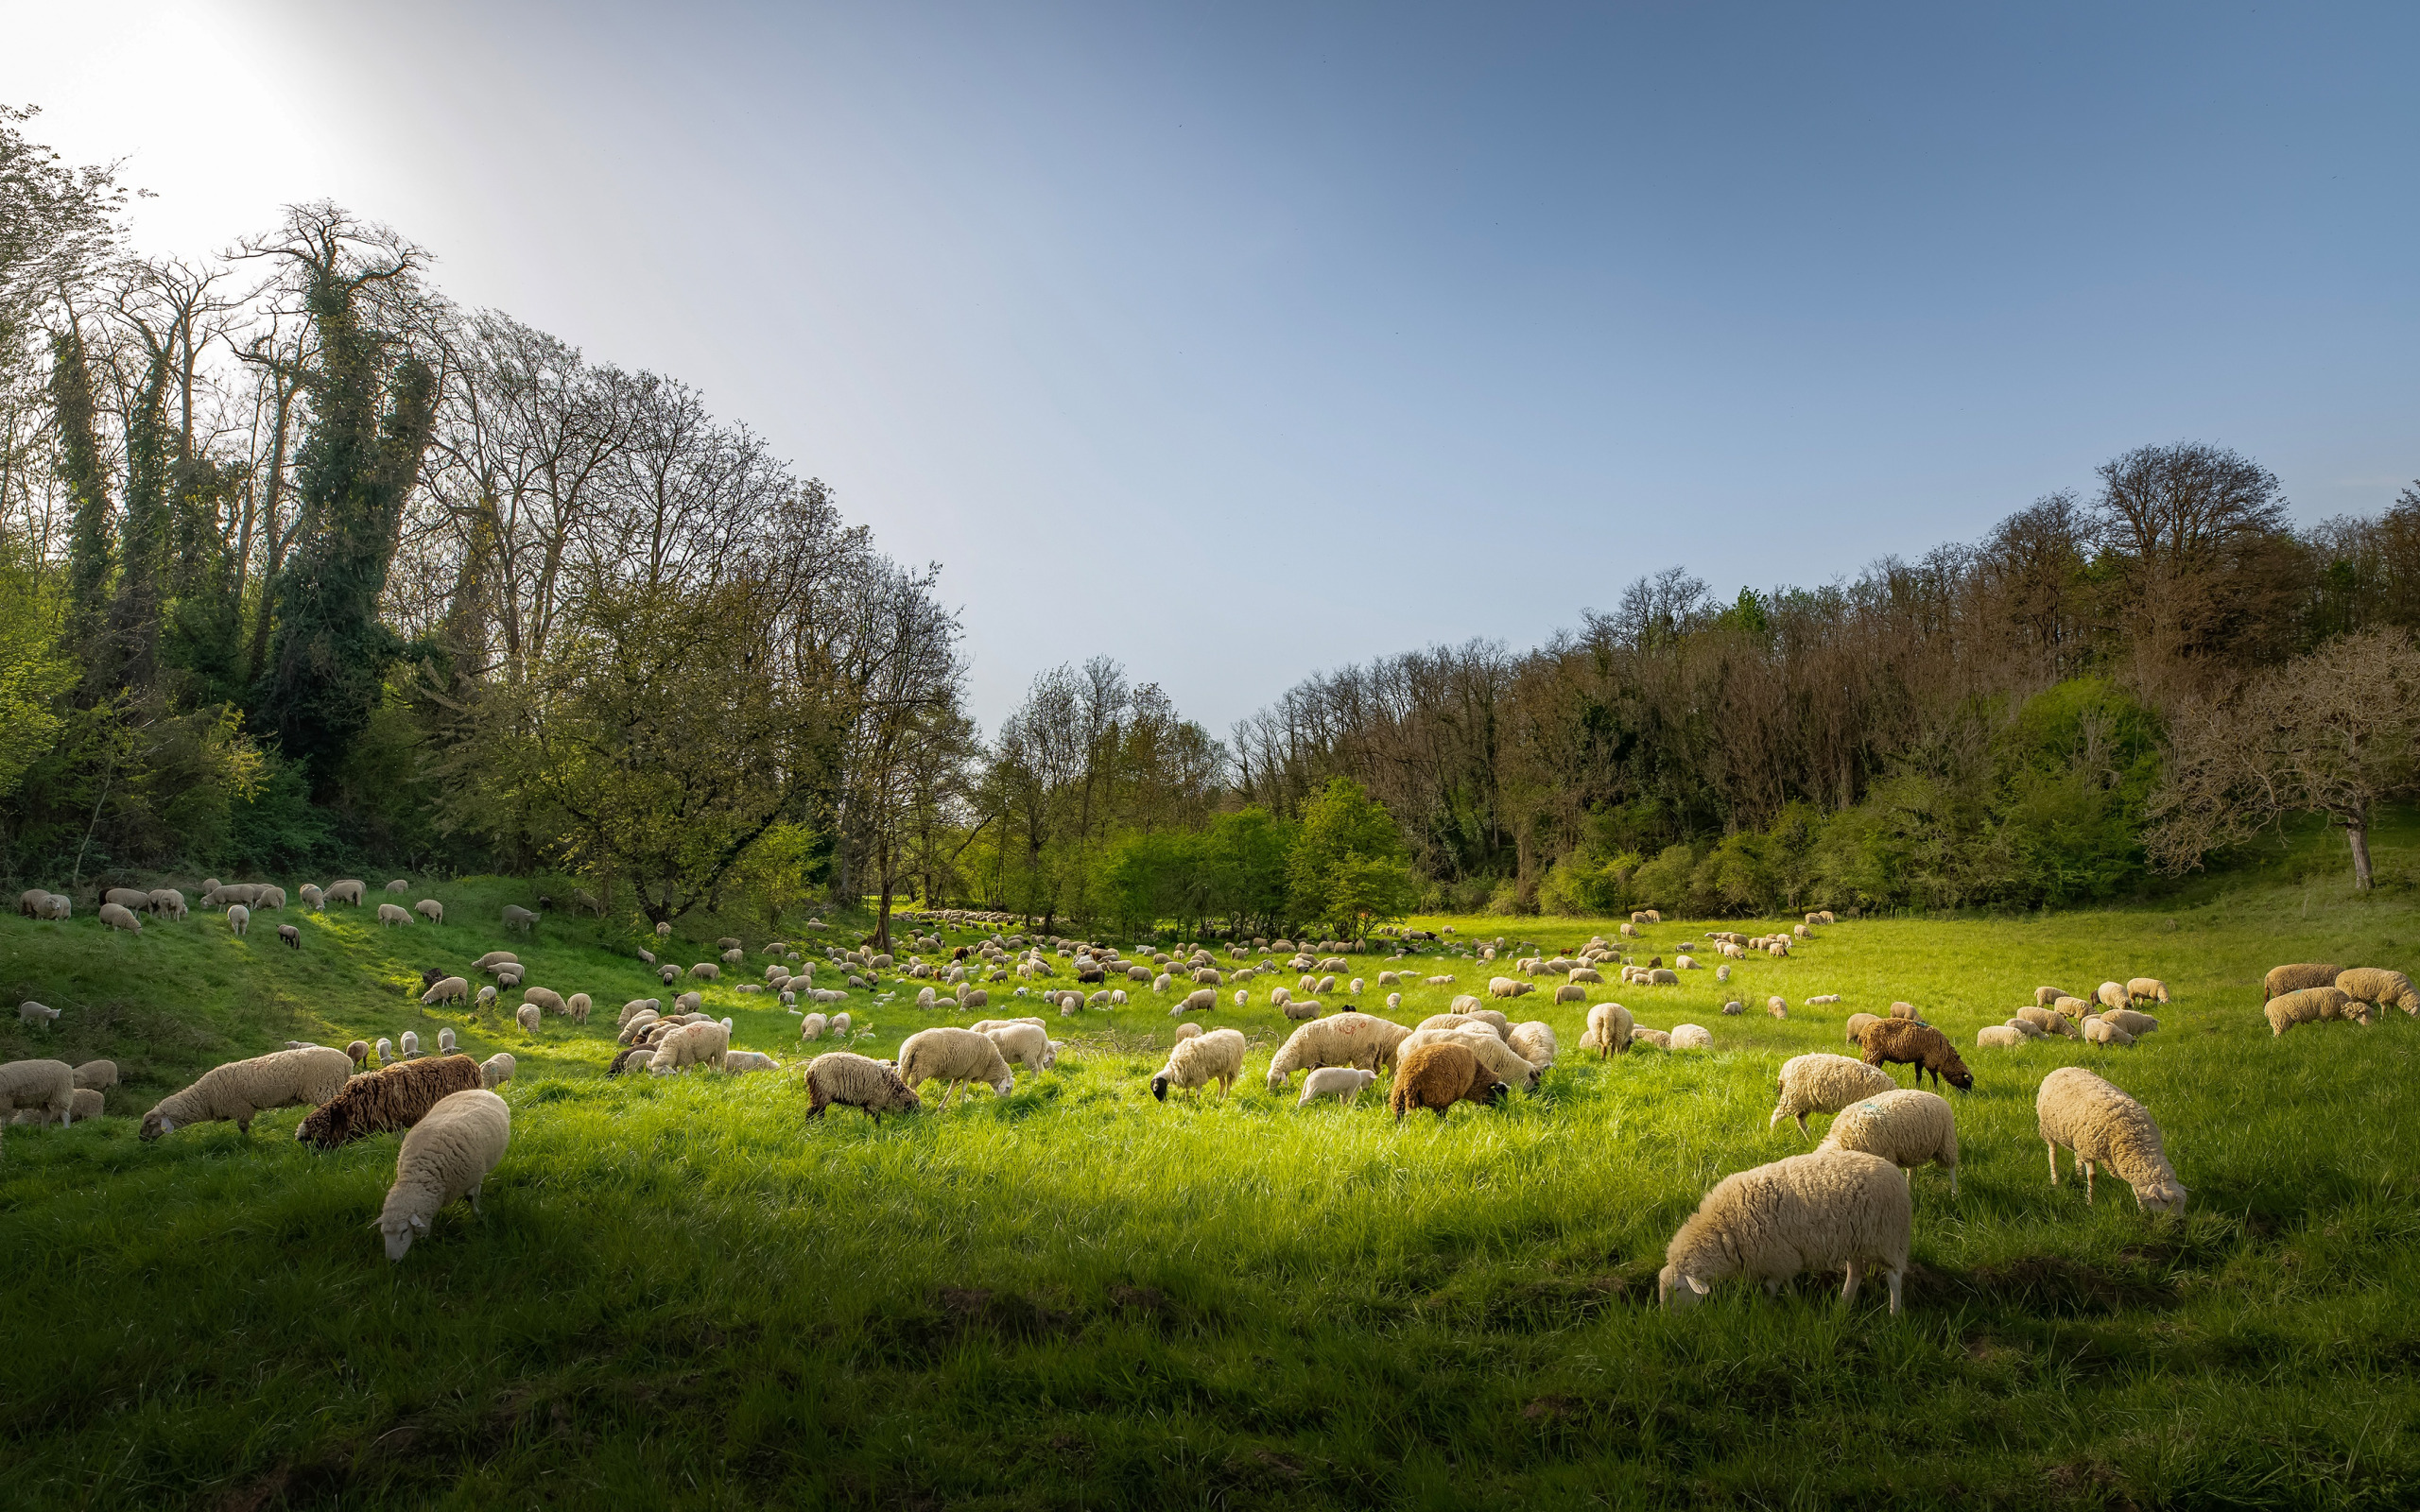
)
(2358, 835)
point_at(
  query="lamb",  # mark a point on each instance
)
(738, 1061)
(450, 989)
(1344, 1083)
(31, 1012)
(1534, 1042)
(2284, 979)
(2370, 984)
(1807, 1212)
(1195, 1063)
(97, 1075)
(705, 1043)
(1690, 1037)
(956, 1057)
(1824, 1083)
(1904, 1041)
(1024, 1044)
(430, 909)
(241, 1088)
(1201, 1000)
(1358, 1039)
(87, 1106)
(2310, 1004)
(496, 1070)
(2097, 1031)
(1609, 1030)
(528, 1017)
(117, 916)
(1906, 1128)
(1492, 1053)
(856, 1081)
(46, 1085)
(1436, 1076)
(448, 1153)
(384, 1101)
(2101, 1125)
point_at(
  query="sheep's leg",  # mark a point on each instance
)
(2088, 1179)
(1848, 1292)
(1803, 1132)
(1893, 1279)
(2054, 1161)
(474, 1203)
(1953, 1180)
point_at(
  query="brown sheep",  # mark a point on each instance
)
(1903, 1041)
(1436, 1076)
(2284, 979)
(384, 1101)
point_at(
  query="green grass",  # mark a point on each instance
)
(682, 1293)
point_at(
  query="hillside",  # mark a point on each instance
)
(682, 1293)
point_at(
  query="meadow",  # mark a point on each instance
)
(682, 1293)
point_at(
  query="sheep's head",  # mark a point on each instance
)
(1160, 1087)
(1007, 1083)
(2165, 1194)
(400, 1232)
(155, 1124)
(1677, 1293)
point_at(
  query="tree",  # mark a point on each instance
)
(2333, 734)
(2210, 569)
(1347, 868)
(84, 473)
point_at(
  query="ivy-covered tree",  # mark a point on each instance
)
(84, 473)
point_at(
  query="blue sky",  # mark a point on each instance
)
(1236, 342)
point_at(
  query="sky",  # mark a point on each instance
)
(1238, 342)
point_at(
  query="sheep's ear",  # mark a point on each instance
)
(1694, 1285)
(419, 1222)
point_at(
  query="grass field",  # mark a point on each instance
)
(683, 1294)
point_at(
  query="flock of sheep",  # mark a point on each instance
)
(1846, 1206)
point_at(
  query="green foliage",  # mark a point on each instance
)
(1347, 869)
(84, 473)
(34, 674)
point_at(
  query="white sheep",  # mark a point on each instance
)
(1824, 1084)
(385, 1050)
(448, 990)
(391, 915)
(430, 909)
(411, 1047)
(2145, 990)
(1906, 1128)
(48, 1086)
(1024, 1044)
(737, 1061)
(2101, 1125)
(1811, 1211)
(497, 1070)
(240, 1088)
(1534, 1041)
(1341, 1039)
(2097, 1031)
(1197, 1062)
(955, 1056)
(1609, 1030)
(811, 1027)
(1344, 1083)
(31, 1012)
(1483, 1044)
(239, 919)
(705, 1043)
(97, 1075)
(447, 1155)
(1690, 1037)
(2111, 995)
(2002, 1036)
(527, 1015)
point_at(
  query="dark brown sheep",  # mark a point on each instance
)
(2284, 979)
(622, 1059)
(384, 1101)
(1436, 1076)
(1904, 1041)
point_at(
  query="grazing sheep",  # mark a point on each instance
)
(1505, 987)
(706, 972)
(444, 1041)
(576, 1008)
(399, 884)
(956, 1056)
(1689, 1037)
(241, 1088)
(1197, 1062)
(48, 1086)
(1496, 1023)
(1493, 1053)
(2097, 1031)
(85, 1106)
(117, 916)
(1902, 1041)
(1534, 1042)
(2101, 1125)
(1807, 1212)
(856, 1081)
(97, 1075)
(1436, 1076)
(2145, 990)
(523, 920)
(2071, 1008)
(1200, 1000)
(391, 915)
(313, 898)
(2047, 1023)
(739, 1061)
(1609, 1030)
(1998, 1037)
(2284, 979)
(1723, 974)
(1776, 1008)
(165, 902)
(1906, 1011)
(450, 989)
(1344, 1083)
(1188, 1031)
(430, 909)
(1359, 1039)
(811, 1027)
(2137, 1024)
(529, 1017)
(445, 1156)
(2370, 984)
(412, 1044)
(496, 1070)
(2109, 994)
(385, 1050)
(495, 958)
(384, 1101)
(2045, 996)
(2310, 1004)
(1824, 1083)
(633, 1009)
(1906, 1128)
(705, 1043)
(359, 1052)
(1024, 1044)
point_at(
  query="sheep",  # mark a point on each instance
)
(97, 1075)
(2097, 1031)
(1805, 1213)
(1436, 1076)
(313, 897)
(1776, 1008)
(1609, 1030)
(667, 973)
(48, 1086)
(240, 1088)
(2046, 1022)
(496, 1070)
(738, 1061)
(1906, 1128)
(444, 1041)
(1534, 1042)
(117, 916)
(1493, 1053)
(495, 958)
(450, 989)
(1690, 1037)
(165, 902)
(1188, 1031)
(384, 1101)
(2145, 990)
(811, 1027)
(1505, 987)
(1487, 1018)
(1662, 976)
(1200, 1000)
(2071, 1008)
(86, 1106)
(359, 1052)
(856, 1081)
(2099, 1124)
(840, 1023)
(447, 1155)
(2370, 984)
(1197, 1062)
(430, 909)
(2310, 1004)
(54, 908)
(2109, 994)
(399, 884)
(2002, 1036)
(956, 1056)
(1344, 1083)
(2137, 1024)
(410, 1044)
(2284, 979)
(633, 1009)
(385, 1050)
(1024, 1044)
(1824, 1083)
(528, 1017)
(1359, 1039)
(523, 920)
(31, 1012)
(705, 1044)
(1901, 1041)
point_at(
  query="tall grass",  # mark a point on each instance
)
(682, 1294)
